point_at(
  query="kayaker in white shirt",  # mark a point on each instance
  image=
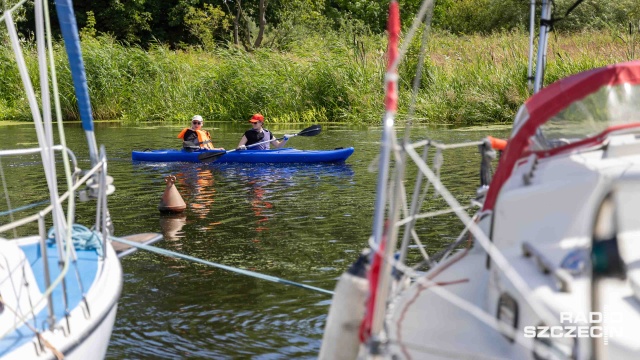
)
(194, 138)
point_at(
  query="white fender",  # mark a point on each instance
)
(340, 340)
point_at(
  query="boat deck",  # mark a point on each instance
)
(425, 325)
(87, 268)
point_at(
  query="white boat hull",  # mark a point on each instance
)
(424, 324)
(89, 328)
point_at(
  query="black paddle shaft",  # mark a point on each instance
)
(312, 130)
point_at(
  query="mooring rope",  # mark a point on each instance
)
(220, 266)
(26, 207)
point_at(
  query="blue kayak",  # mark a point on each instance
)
(286, 155)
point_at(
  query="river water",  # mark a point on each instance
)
(304, 223)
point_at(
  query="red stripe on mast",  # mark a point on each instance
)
(391, 105)
(393, 27)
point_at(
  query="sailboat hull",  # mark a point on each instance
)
(85, 333)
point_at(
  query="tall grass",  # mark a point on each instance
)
(334, 78)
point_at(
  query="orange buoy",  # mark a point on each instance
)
(171, 200)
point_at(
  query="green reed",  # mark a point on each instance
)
(467, 80)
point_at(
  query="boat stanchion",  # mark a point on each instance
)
(171, 201)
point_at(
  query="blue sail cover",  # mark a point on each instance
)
(69, 28)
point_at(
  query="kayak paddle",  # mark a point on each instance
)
(312, 130)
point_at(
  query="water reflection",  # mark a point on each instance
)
(199, 184)
(273, 219)
(171, 225)
(318, 222)
(263, 184)
(258, 203)
(221, 193)
(276, 172)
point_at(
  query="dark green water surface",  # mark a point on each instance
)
(304, 223)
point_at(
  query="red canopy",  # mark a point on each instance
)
(548, 102)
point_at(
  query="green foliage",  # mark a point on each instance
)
(185, 23)
(631, 40)
(593, 14)
(298, 21)
(373, 13)
(89, 30)
(473, 80)
(486, 16)
(12, 94)
(408, 68)
(336, 77)
(320, 60)
(370, 14)
(480, 16)
(206, 22)
(127, 21)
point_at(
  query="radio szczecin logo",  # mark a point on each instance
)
(574, 325)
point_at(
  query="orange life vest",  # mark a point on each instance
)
(204, 139)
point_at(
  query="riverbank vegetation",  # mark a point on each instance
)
(320, 66)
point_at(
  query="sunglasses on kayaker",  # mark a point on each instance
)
(196, 122)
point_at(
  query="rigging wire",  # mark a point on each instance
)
(516, 280)
(177, 255)
(68, 239)
(65, 267)
(496, 255)
(59, 355)
(61, 133)
(6, 195)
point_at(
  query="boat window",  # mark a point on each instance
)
(606, 107)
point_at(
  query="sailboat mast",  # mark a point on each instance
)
(71, 38)
(545, 25)
(545, 28)
(532, 29)
(391, 104)
(379, 288)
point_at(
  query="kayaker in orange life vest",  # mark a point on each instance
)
(259, 135)
(194, 138)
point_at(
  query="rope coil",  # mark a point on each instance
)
(82, 238)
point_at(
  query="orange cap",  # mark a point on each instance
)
(256, 118)
(497, 144)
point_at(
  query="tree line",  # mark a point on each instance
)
(302, 61)
(252, 24)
